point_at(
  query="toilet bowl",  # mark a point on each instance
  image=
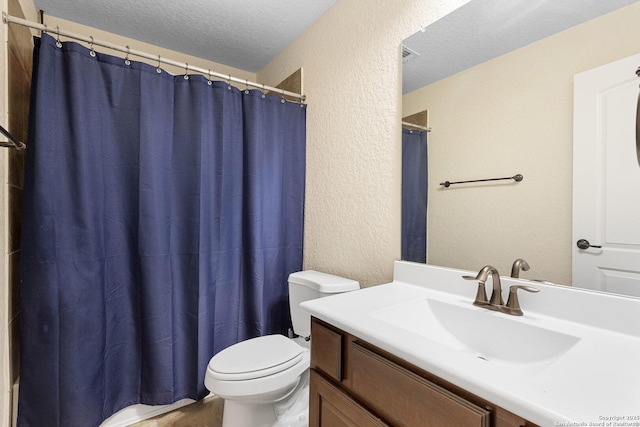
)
(254, 374)
(264, 381)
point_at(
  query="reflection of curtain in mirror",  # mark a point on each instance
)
(414, 195)
(638, 124)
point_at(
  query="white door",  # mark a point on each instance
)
(606, 179)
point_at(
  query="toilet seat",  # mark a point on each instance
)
(255, 358)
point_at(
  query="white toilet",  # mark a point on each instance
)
(265, 380)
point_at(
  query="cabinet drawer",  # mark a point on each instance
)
(330, 407)
(326, 350)
(405, 398)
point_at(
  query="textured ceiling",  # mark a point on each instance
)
(484, 29)
(238, 33)
(248, 34)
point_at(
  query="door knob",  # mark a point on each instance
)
(584, 244)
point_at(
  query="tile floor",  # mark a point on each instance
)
(204, 413)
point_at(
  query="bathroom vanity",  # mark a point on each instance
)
(356, 384)
(417, 352)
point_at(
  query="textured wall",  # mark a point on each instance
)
(511, 115)
(351, 62)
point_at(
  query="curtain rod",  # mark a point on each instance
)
(6, 18)
(426, 129)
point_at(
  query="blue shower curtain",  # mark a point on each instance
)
(162, 216)
(414, 196)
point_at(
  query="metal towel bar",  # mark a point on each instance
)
(516, 178)
(13, 142)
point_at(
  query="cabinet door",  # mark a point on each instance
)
(326, 350)
(330, 407)
(404, 398)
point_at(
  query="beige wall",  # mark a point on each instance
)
(511, 115)
(351, 61)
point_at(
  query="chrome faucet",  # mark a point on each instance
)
(496, 302)
(518, 265)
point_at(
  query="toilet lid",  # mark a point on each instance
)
(255, 358)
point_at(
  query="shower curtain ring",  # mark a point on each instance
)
(209, 82)
(283, 100)
(126, 58)
(246, 87)
(92, 52)
(158, 69)
(58, 44)
(264, 95)
(186, 71)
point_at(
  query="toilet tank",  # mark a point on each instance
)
(307, 285)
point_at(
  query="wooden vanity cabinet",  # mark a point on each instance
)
(330, 407)
(356, 384)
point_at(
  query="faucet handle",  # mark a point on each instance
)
(513, 305)
(481, 294)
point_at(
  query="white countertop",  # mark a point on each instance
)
(596, 381)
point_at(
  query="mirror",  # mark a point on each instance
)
(497, 81)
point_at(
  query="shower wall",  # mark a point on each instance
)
(18, 76)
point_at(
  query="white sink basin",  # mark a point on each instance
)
(486, 335)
